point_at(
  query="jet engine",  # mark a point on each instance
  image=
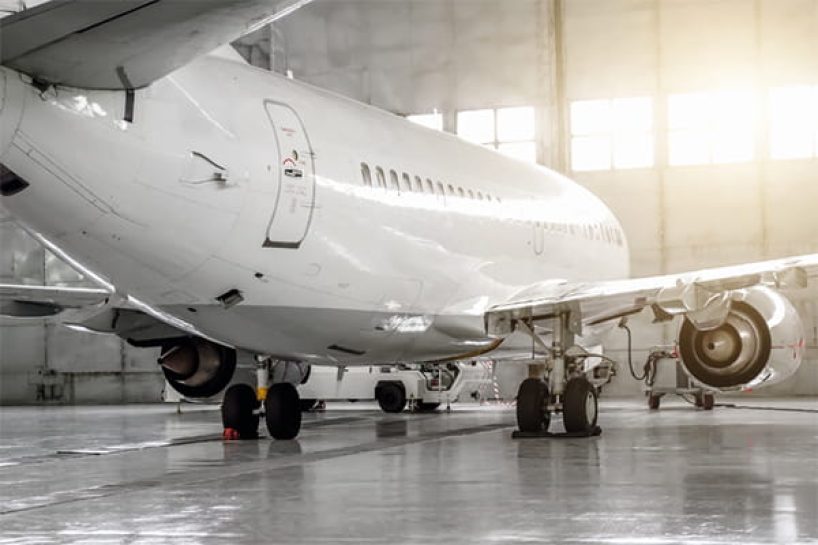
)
(197, 368)
(761, 341)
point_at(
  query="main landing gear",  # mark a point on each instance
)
(243, 406)
(559, 384)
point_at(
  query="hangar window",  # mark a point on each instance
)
(431, 121)
(793, 122)
(366, 175)
(393, 178)
(476, 126)
(608, 134)
(407, 182)
(380, 177)
(711, 128)
(511, 131)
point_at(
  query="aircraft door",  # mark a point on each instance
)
(295, 202)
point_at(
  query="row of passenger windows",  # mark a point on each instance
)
(596, 231)
(408, 184)
(404, 183)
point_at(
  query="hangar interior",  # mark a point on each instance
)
(694, 120)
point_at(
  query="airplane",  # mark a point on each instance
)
(227, 212)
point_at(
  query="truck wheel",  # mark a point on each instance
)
(390, 397)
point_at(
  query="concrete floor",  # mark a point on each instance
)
(144, 474)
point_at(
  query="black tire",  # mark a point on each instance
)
(238, 410)
(427, 407)
(214, 385)
(532, 406)
(308, 404)
(391, 397)
(654, 401)
(579, 406)
(283, 411)
(708, 401)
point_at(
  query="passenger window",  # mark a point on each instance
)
(381, 178)
(471, 194)
(430, 187)
(479, 196)
(450, 187)
(393, 178)
(461, 193)
(366, 175)
(418, 184)
(440, 190)
(407, 182)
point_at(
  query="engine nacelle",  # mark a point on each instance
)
(760, 343)
(197, 368)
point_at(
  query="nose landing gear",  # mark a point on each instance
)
(564, 388)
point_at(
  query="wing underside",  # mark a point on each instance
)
(126, 44)
(22, 301)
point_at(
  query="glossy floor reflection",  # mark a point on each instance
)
(149, 475)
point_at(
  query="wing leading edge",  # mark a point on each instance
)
(126, 44)
(693, 294)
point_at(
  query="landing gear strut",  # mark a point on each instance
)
(559, 384)
(243, 406)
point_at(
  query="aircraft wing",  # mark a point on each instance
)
(698, 295)
(126, 44)
(20, 301)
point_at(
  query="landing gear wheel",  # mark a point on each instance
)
(579, 406)
(532, 406)
(308, 404)
(391, 397)
(283, 411)
(705, 401)
(654, 401)
(239, 416)
(427, 407)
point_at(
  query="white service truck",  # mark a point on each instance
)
(419, 387)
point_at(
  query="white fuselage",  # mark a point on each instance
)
(203, 194)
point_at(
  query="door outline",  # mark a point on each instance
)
(311, 153)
